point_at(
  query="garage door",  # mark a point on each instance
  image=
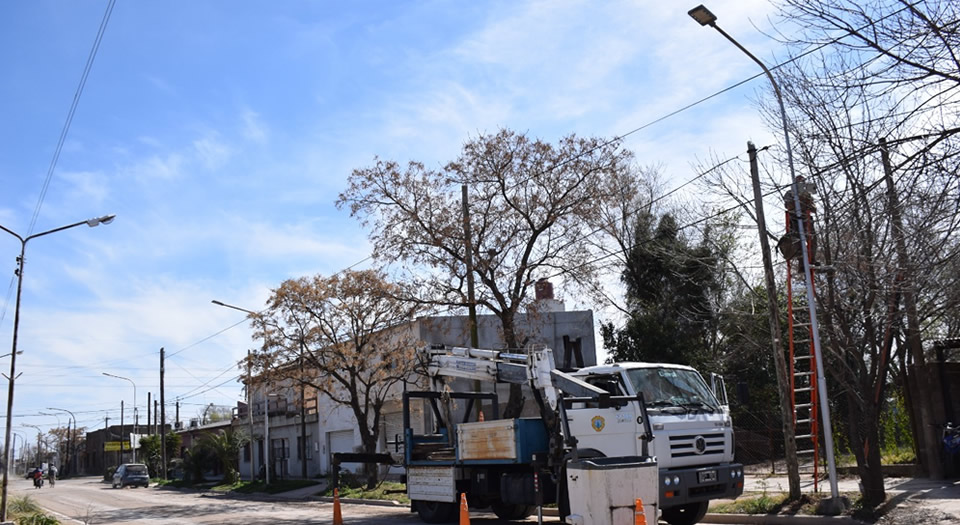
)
(342, 441)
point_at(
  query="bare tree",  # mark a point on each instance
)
(344, 336)
(874, 119)
(533, 205)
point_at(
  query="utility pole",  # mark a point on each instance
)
(303, 417)
(163, 422)
(149, 427)
(156, 415)
(773, 313)
(250, 409)
(471, 297)
(122, 440)
(930, 448)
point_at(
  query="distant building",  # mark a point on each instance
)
(96, 459)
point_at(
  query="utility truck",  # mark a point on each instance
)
(694, 441)
(602, 433)
(515, 466)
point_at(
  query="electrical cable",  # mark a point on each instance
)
(73, 108)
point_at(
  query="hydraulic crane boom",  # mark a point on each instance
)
(536, 369)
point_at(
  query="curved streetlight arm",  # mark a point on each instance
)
(225, 305)
(94, 222)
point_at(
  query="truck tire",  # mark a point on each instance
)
(688, 514)
(435, 511)
(512, 511)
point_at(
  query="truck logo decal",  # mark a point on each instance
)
(598, 423)
(700, 444)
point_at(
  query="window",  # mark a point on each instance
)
(246, 453)
(280, 449)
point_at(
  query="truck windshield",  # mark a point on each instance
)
(673, 387)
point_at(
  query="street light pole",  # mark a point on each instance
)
(58, 427)
(106, 219)
(71, 450)
(703, 15)
(135, 421)
(303, 415)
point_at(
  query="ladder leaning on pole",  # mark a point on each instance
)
(802, 360)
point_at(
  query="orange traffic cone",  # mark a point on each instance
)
(464, 513)
(337, 518)
(639, 518)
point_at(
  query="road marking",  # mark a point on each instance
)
(63, 516)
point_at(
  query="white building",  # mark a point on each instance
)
(331, 427)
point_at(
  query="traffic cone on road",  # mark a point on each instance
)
(337, 518)
(464, 512)
(639, 518)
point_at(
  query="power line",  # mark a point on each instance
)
(73, 108)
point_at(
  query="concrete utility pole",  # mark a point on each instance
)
(149, 428)
(773, 313)
(250, 409)
(303, 417)
(163, 422)
(471, 297)
(122, 440)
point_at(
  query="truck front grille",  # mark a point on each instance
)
(696, 445)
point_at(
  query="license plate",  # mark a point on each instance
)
(706, 476)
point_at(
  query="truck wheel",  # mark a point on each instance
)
(511, 511)
(686, 514)
(436, 512)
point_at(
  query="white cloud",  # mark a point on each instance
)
(253, 128)
(167, 167)
(211, 151)
(86, 186)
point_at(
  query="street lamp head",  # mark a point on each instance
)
(218, 303)
(703, 15)
(96, 221)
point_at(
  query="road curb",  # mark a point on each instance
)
(352, 501)
(778, 519)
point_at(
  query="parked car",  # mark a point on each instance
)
(132, 474)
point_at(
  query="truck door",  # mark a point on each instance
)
(719, 388)
(612, 431)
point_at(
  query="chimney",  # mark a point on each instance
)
(543, 289)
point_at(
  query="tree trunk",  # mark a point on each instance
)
(871, 472)
(370, 469)
(514, 406)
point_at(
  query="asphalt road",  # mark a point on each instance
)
(90, 501)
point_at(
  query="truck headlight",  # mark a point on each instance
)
(676, 480)
(666, 481)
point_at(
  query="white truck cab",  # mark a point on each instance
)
(693, 433)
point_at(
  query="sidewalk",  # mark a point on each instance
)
(910, 500)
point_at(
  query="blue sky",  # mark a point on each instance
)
(221, 132)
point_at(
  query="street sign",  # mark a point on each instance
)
(115, 446)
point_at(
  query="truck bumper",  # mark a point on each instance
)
(700, 484)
